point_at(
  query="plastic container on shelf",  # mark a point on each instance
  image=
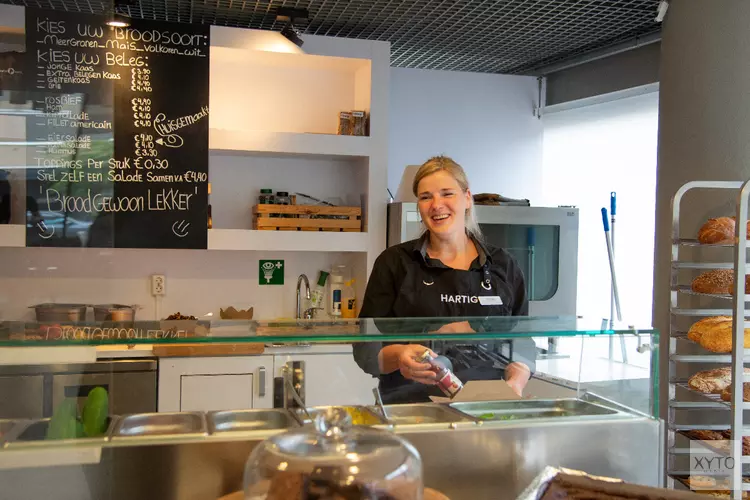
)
(339, 275)
(349, 300)
(334, 460)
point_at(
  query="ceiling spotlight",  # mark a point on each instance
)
(118, 21)
(291, 34)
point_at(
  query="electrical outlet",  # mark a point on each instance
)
(158, 285)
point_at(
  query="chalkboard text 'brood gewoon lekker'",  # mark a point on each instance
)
(156, 200)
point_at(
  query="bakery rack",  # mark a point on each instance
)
(707, 412)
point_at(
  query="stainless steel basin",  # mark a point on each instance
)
(429, 414)
(161, 425)
(531, 409)
(240, 421)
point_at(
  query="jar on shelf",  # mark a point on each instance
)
(334, 460)
(265, 197)
(282, 198)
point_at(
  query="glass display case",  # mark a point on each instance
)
(86, 404)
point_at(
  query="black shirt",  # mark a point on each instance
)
(405, 282)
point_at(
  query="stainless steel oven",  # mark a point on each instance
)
(544, 241)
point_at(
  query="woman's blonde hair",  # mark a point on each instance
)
(444, 163)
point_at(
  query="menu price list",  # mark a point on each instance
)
(121, 156)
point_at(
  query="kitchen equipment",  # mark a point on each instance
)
(242, 421)
(335, 459)
(114, 312)
(379, 401)
(60, 313)
(550, 270)
(161, 425)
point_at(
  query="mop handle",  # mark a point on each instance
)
(605, 221)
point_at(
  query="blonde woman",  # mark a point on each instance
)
(448, 272)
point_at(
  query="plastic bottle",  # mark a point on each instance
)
(208, 209)
(317, 297)
(335, 294)
(349, 300)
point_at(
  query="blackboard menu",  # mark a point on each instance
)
(120, 156)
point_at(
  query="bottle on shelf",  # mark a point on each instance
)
(349, 300)
(337, 285)
(208, 209)
(335, 291)
(318, 295)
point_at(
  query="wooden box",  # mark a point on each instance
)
(307, 218)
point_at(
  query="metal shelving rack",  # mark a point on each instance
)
(739, 355)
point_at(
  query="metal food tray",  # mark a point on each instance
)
(532, 409)
(33, 433)
(424, 415)
(244, 421)
(9, 429)
(365, 413)
(160, 426)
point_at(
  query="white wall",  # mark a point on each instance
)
(484, 122)
(589, 152)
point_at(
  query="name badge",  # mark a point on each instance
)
(490, 300)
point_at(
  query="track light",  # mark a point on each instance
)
(118, 21)
(291, 34)
(288, 15)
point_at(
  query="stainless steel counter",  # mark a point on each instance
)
(477, 462)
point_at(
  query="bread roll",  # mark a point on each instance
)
(726, 394)
(747, 286)
(700, 327)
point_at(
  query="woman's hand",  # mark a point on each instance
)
(403, 358)
(517, 376)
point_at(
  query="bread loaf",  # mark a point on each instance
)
(718, 337)
(718, 281)
(700, 327)
(719, 231)
(726, 393)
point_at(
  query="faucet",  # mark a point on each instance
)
(308, 312)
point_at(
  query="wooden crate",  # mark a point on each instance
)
(274, 218)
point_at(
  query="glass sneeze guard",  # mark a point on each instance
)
(20, 333)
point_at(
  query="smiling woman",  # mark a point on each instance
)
(448, 272)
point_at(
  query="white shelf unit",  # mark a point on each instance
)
(288, 143)
(689, 409)
(286, 241)
(273, 124)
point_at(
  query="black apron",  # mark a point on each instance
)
(432, 290)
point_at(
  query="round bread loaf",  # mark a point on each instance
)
(700, 327)
(718, 230)
(718, 281)
(712, 381)
(726, 393)
(718, 337)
